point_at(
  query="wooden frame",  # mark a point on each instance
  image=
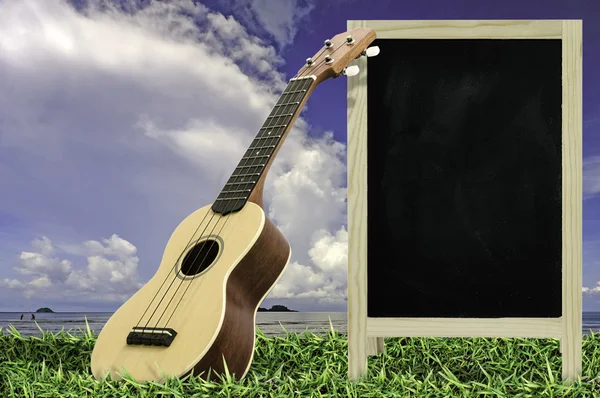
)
(365, 335)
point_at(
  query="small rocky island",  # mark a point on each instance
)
(44, 309)
(276, 308)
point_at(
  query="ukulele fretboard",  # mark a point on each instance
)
(238, 188)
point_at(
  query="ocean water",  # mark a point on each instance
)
(270, 323)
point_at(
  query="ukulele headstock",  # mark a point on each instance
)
(333, 58)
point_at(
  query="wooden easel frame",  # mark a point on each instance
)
(365, 335)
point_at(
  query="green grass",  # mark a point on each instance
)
(309, 365)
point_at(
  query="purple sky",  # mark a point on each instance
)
(103, 110)
(327, 105)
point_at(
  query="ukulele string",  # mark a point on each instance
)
(294, 99)
(199, 265)
(290, 99)
(299, 74)
(167, 277)
(274, 121)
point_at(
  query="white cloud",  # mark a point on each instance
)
(309, 193)
(324, 283)
(280, 19)
(109, 274)
(129, 122)
(592, 291)
(113, 246)
(198, 137)
(13, 283)
(41, 282)
(31, 263)
(43, 246)
(330, 253)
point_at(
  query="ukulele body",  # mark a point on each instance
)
(212, 312)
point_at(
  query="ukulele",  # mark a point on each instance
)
(196, 315)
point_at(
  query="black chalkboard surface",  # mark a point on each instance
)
(464, 178)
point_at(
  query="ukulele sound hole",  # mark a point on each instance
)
(200, 257)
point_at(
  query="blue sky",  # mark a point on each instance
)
(117, 120)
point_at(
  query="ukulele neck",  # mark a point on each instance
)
(246, 182)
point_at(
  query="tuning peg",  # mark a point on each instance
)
(349, 40)
(371, 51)
(351, 71)
(328, 43)
(309, 61)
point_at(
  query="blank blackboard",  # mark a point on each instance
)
(464, 177)
(464, 185)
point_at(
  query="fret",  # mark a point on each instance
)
(239, 183)
(273, 127)
(264, 147)
(256, 165)
(261, 147)
(256, 151)
(294, 92)
(285, 114)
(284, 97)
(245, 175)
(289, 103)
(267, 138)
(268, 135)
(238, 191)
(238, 198)
(255, 157)
(242, 172)
(283, 109)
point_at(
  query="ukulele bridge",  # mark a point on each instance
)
(151, 336)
